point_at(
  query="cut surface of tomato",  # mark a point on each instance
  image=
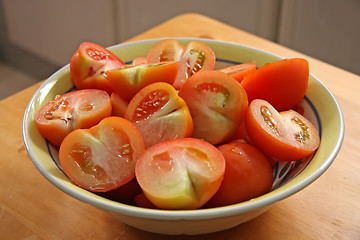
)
(239, 71)
(180, 174)
(284, 136)
(248, 174)
(103, 157)
(165, 50)
(128, 80)
(282, 83)
(73, 110)
(197, 56)
(159, 114)
(217, 104)
(89, 64)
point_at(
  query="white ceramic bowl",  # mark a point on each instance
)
(320, 106)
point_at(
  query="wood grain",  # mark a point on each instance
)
(32, 208)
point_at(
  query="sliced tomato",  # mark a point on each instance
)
(159, 114)
(197, 56)
(103, 157)
(284, 136)
(142, 201)
(248, 174)
(282, 83)
(119, 105)
(89, 64)
(139, 61)
(128, 80)
(180, 174)
(239, 71)
(70, 111)
(217, 104)
(164, 51)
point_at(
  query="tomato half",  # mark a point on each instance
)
(284, 136)
(139, 61)
(165, 50)
(197, 56)
(217, 104)
(159, 114)
(282, 83)
(70, 111)
(89, 64)
(180, 174)
(239, 71)
(248, 174)
(103, 157)
(128, 80)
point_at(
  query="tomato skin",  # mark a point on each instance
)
(217, 104)
(284, 136)
(239, 71)
(103, 157)
(180, 174)
(88, 65)
(128, 80)
(125, 193)
(282, 83)
(248, 174)
(165, 50)
(159, 114)
(197, 56)
(118, 104)
(139, 61)
(70, 111)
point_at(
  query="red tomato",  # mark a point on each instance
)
(89, 64)
(287, 136)
(103, 157)
(73, 110)
(239, 71)
(248, 175)
(217, 104)
(180, 174)
(142, 201)
(119, 105)
(165, 50)
(159, 114)
(197, 56)
(282, 83)
(128, 80)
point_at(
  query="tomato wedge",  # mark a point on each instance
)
(282, 83)
(159, 114)
(139, 61)
(128, 80)
(103, 157)
(284, 136)
(165, 50)
(180, 174)
(239, 71)
(248, 174)
(217, 104)
(73, 110)
(197, 56)
(89, 64)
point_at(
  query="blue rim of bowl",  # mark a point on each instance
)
(231, 210)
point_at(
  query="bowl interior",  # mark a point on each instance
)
(320, 105)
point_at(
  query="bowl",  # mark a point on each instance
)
(320, 106)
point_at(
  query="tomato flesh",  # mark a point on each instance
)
(160, 114)
(103, 157)
(165, 50)
(217, 104)
(239, 71)
(70, 111)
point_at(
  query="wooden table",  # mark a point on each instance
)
(32, 208)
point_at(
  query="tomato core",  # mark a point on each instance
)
(199, 62)
(303, 135)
